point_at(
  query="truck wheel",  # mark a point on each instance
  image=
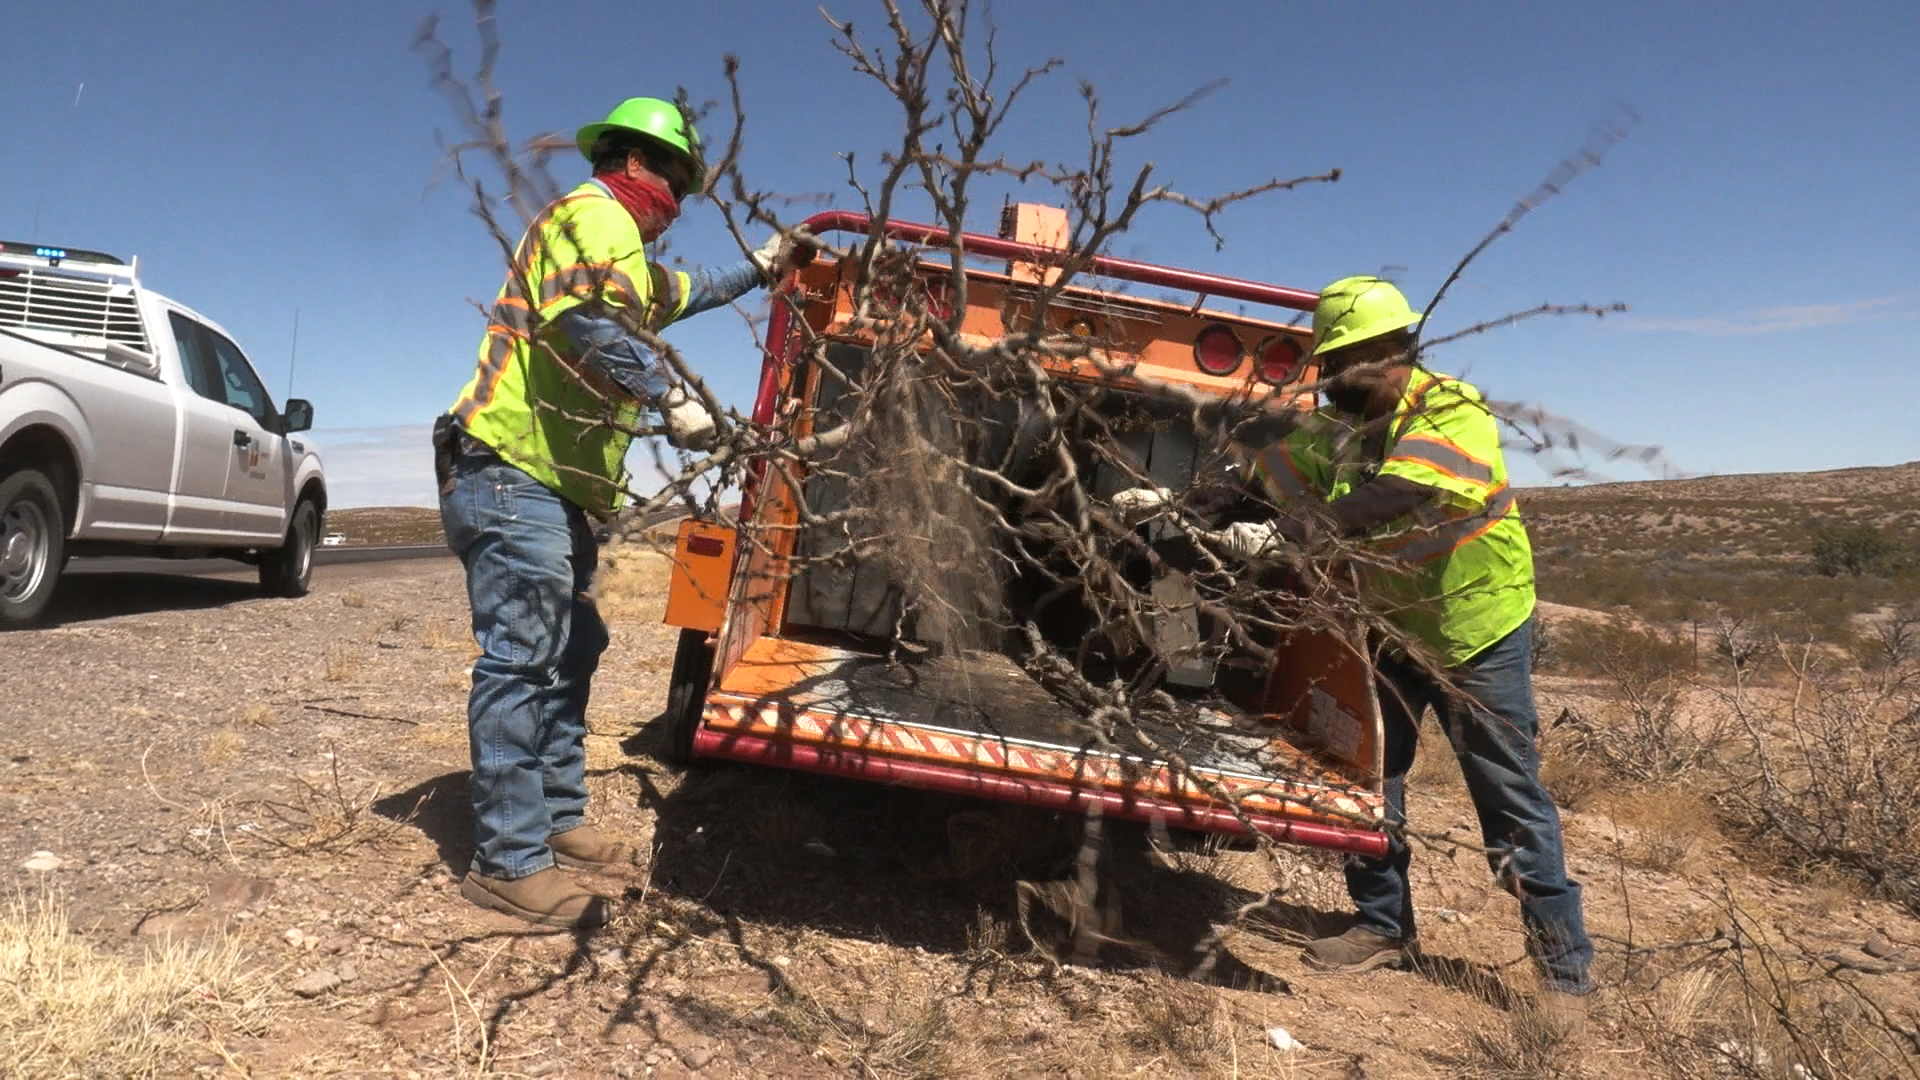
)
(686, 696)
(33, 541)
(289, 570)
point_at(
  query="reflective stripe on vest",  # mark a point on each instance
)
(1437, 453)
(1428, 543)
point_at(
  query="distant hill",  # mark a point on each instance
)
(376, 525)
(1675, 549)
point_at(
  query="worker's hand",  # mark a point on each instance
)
(782, 253)
(1135, 505)
(689, 424)
(1252, 539)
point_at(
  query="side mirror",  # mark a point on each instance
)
(299, 415)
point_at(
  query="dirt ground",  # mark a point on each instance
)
(200, 761)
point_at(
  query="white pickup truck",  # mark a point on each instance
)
(131, 425)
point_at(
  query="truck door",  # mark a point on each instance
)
(206, 440)
(257, 478)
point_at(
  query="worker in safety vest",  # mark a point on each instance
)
(1413, 459)
(531, 457)
(1410, 461)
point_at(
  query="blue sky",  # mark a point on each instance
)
(1761, 219)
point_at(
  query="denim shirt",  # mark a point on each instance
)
(604, 343)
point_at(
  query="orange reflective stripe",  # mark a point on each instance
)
(1437, 453)
(586, 281)
(513, 314)
(1431, 543)
(1275, 469)
(499, 351)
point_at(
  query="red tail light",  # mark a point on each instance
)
(1279, 359)
(1217, 350)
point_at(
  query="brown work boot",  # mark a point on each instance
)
(548, 897)
(584, 847)
(1562, 1017)
(1358, 950)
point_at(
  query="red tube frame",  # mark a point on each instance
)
(1032, 792)
(993, 247)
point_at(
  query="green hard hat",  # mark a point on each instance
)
(1357, 309)
(658, 120)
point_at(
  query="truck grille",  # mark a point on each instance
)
(43, 301)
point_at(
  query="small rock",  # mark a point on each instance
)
(347, 972)
(42, 862)
(816, 847)
(315, 983)
(781, 961)
(237, 892)
(696, 1058)
(1880, 947)
(543, 1067)
(1283, 1040)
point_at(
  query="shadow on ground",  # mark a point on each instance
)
(910, 868)
(85, 597)
(442, 809)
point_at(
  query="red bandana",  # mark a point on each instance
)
(653, 207)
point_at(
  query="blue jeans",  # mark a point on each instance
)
(530, 557)
(1486, 708)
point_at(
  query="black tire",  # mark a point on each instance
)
(288, 570)
(33, 546)
(686, 697)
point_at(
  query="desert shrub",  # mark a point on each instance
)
(1852, 550)
(1643, 733)
(1831, 766)
(1756, 1001)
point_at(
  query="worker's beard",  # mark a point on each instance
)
(1349, 395)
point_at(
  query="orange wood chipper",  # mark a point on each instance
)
(789, 662)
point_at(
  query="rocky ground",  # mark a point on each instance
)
(187, 762)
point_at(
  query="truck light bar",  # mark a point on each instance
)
(55, 255)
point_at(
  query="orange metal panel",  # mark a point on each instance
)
(754, 698)
(1321, 689)
(702, 576)
(1308, 793)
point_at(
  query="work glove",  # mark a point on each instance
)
(1135, 505)
(782, 253)
(1252, 539)
(689, 424)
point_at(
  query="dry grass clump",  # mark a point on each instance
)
(66, 1010)
(902, 1031)
(1667, 828)
(326, 817)
(341, 665)
(1186, 1021)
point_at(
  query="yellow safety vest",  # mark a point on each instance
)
(531, 400)
(1463, 577)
